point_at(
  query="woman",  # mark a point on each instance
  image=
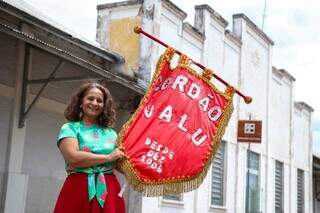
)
(88, 146)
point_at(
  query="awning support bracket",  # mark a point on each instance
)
(25, 84)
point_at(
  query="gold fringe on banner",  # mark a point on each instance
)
(175, 185)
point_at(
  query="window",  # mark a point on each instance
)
(217, 177)
(278, 187)
(173, 197)
(300, 191)
(172, 200)
(253, 184)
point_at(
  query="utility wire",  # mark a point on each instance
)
(264, 14)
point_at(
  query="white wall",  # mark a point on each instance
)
(5, 114)
(301, 146)
(171, 28)
(280, 116)
(8, 55)
(42, 162)
(254, 81)
(300, 138)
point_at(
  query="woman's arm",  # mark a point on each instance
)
(69, 149)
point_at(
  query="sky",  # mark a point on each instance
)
(293, 25)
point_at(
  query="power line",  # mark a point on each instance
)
(264, 14)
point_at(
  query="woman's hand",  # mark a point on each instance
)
(116, 154)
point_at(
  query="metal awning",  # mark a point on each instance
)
(64, 56)
(37, 43)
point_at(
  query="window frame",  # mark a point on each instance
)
(171, 202)
(224, 175)
(253, 172)
(279, 163)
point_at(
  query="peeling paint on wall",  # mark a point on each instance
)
(146, 45)
(123, 40)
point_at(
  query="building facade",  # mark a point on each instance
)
(41, 66)
(316, 173)
(274, 176)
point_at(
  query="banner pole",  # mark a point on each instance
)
(139, 30)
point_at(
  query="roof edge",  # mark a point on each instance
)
(173, 6)
(233, 37)
(118, 4)
(283, 72)
(303, 105)
(254, 27)
(31, 19)
(214, 14)
(187, 25)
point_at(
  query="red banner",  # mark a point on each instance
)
(173, 135)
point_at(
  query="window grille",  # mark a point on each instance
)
(217, 176)
(278, 187)
(300, 191)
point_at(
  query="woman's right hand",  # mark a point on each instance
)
(116, 154)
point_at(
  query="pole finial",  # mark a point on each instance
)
(137, 29)
(248, 99)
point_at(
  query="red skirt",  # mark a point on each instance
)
(74, 196)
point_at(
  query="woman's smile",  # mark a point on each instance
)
(92, 104)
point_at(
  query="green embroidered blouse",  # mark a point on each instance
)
(95, 139)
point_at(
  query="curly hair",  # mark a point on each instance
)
(73, 111)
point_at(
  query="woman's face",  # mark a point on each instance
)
(92, 103)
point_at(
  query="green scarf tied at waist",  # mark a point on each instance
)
(96, 186)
